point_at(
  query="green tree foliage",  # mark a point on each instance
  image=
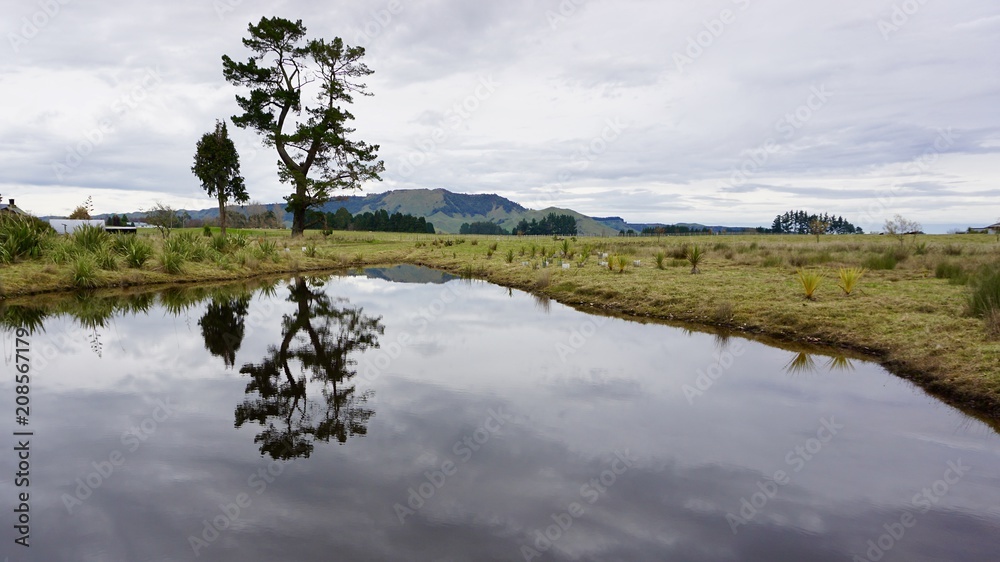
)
(315, 152)
(482, 227)
(801, 222)
(552, 224)
(673, 229)
(379, 221)
(217, 165)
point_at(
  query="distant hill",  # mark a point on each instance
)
(448, 210)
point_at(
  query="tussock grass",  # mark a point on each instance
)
(695, 256)
(849, 277)
(83, 271)
(810, 281)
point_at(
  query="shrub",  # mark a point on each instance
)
(849, 277)
(136, 251)
(544, 279)
(773, 261)
(984, 299)
(171, 260)
(993, 324)
(617, 263)
(266, 248)
(89, 238)
(695, 256)
(953, 272)
(206, 231)
(493, 246)
(920, 249)
(660, 256)
(952, 250)
(810, 282)
(57, 248)
(885, 261)
(724, 313)
(239, 240)
(680, 252)
(181, 244)
(510, 256)
(106, 258)
(84, 271)
(22, 237)
(219, 243)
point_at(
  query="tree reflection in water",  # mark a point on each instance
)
(320, 336)
(223, 327)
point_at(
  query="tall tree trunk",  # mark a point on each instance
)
(222, 215)
(299, 210)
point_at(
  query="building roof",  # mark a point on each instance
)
(11, 208)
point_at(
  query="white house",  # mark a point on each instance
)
(67, 226)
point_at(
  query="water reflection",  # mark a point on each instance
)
(321, 336)
(804, 363)
(223, 326)
(572, 394)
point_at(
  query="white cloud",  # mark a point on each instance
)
(558, 82)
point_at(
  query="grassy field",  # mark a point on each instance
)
(909, 310)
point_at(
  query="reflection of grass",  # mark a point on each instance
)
(840, 363)
(802, 364)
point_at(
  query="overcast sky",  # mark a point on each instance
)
(720, 111)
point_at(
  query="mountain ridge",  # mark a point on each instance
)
(447, 210)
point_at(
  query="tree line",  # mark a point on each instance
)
(550, 225)
(379, 221)
(801, 222)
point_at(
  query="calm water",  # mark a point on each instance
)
(404, 416)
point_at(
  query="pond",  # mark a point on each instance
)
(400, 414)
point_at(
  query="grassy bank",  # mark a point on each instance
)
(910, 309)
